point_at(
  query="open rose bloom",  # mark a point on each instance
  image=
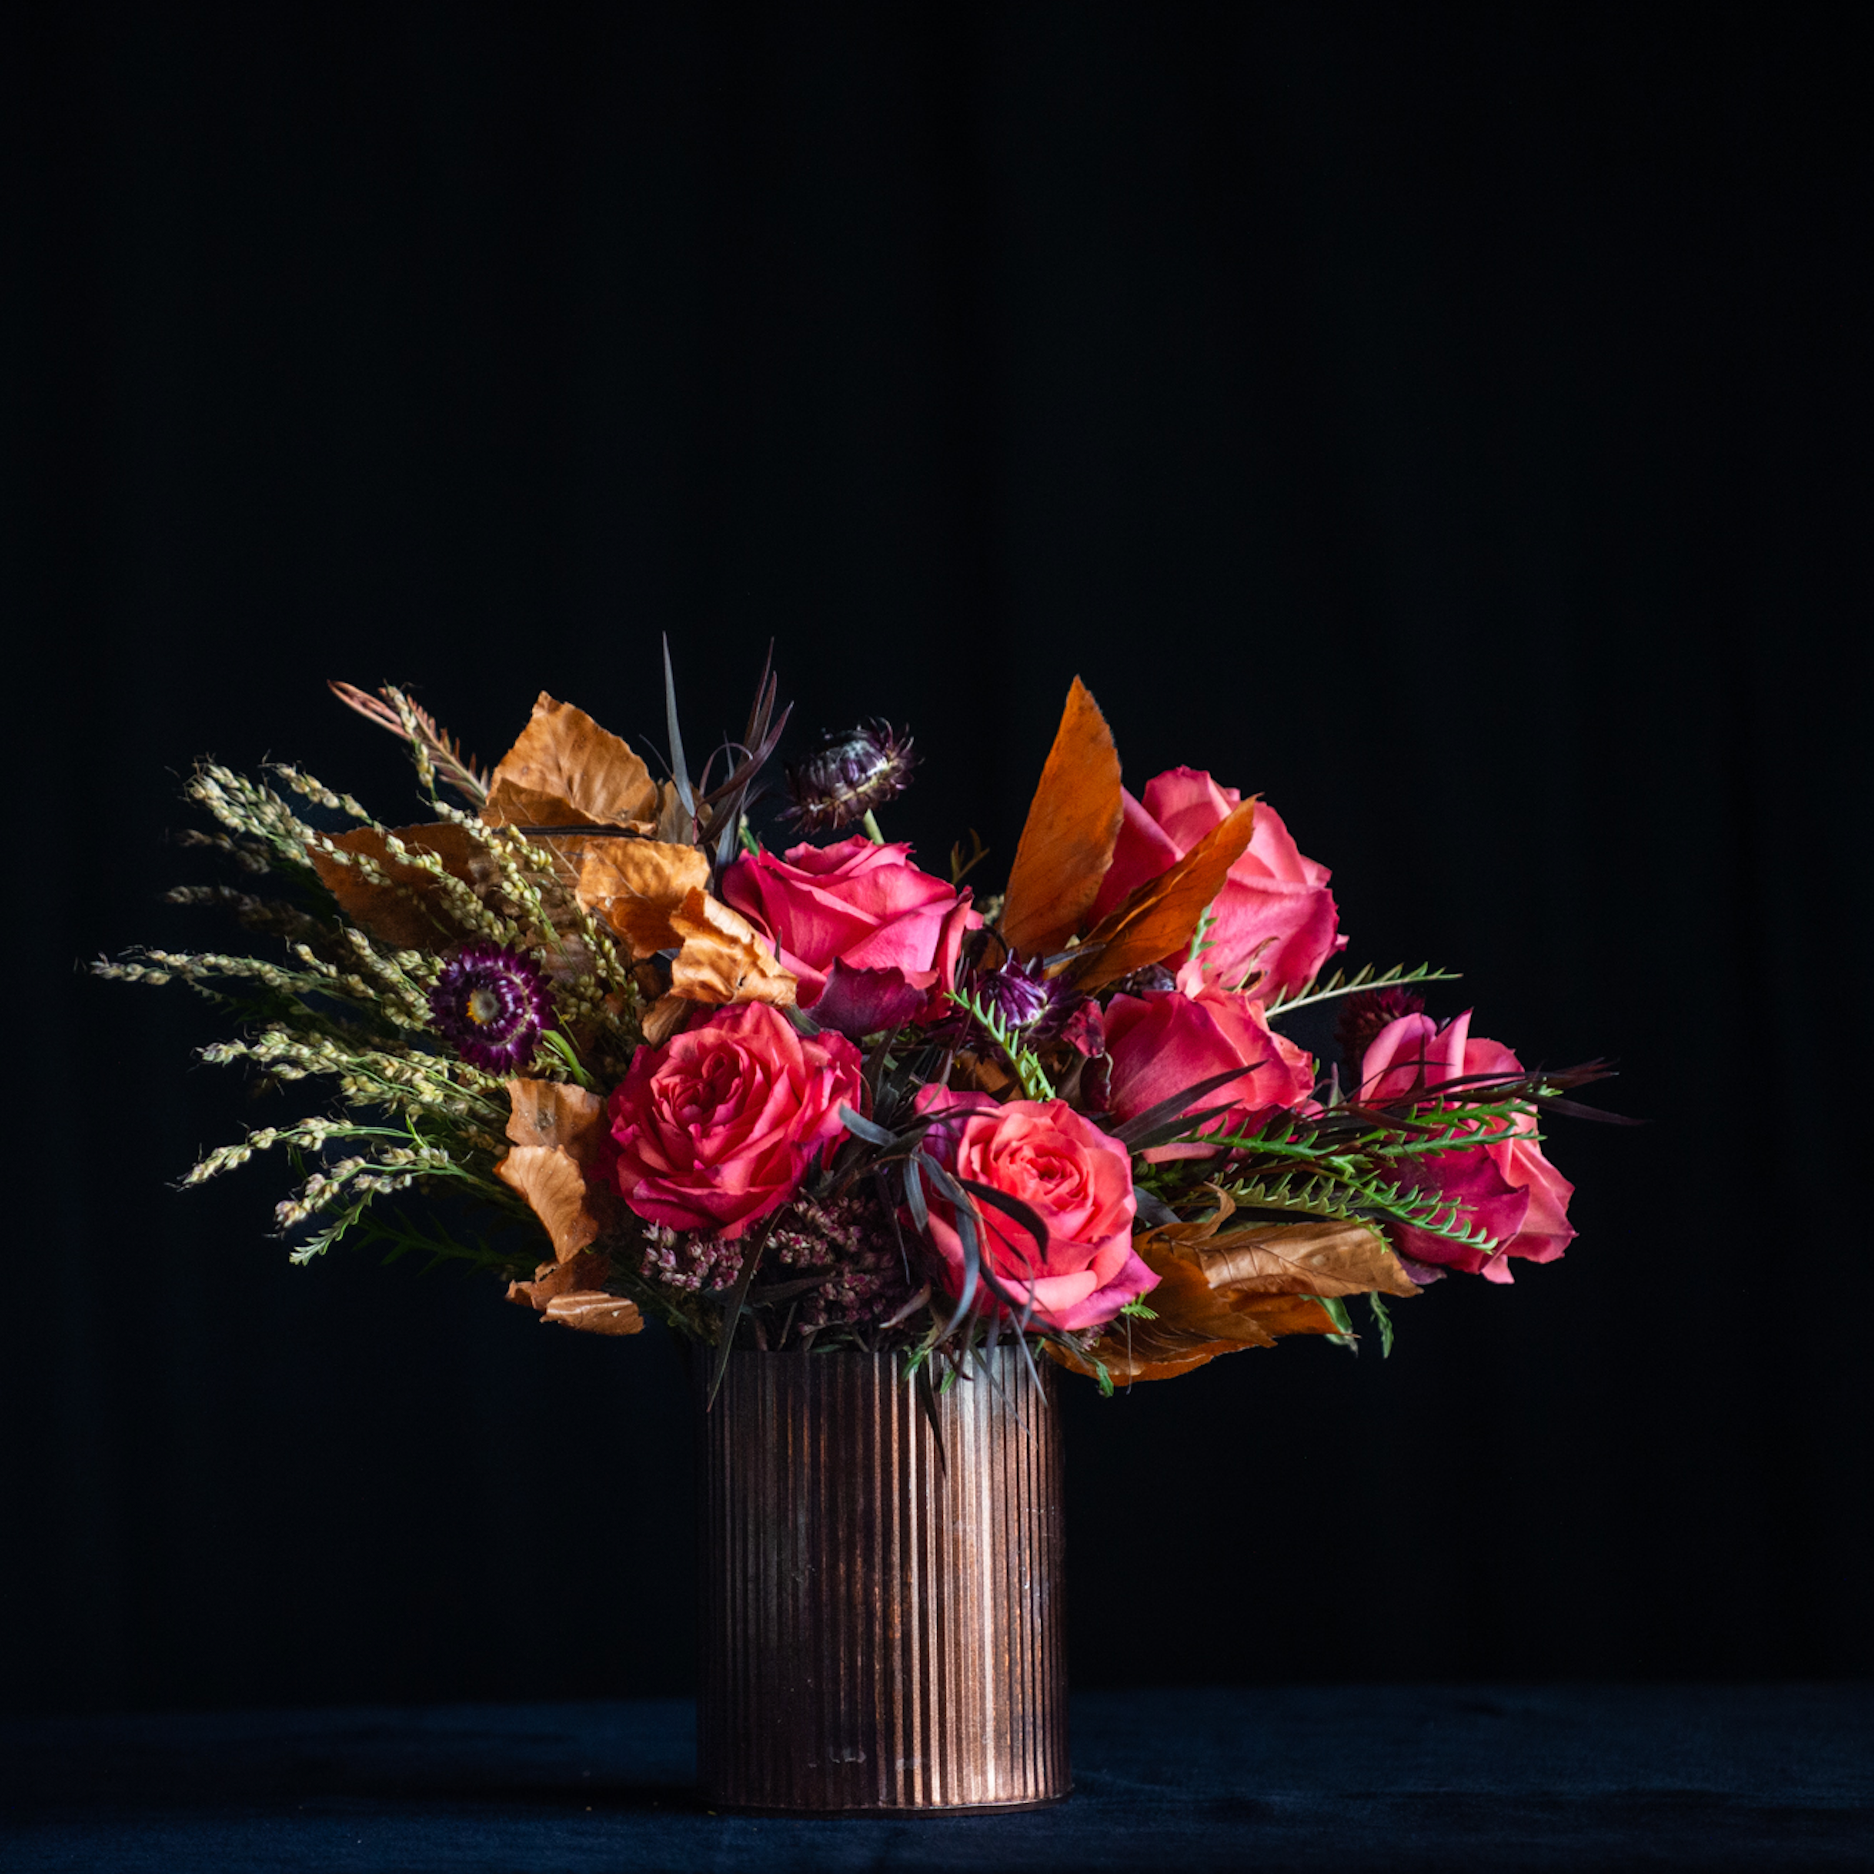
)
(829, 1096)
(1074, 1179)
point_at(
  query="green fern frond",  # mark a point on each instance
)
(1318, 989)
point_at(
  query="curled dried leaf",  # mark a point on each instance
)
(551, 1114)
(574, 1211)
(1159, 918)
(724, 958)
(664, 1017)
(587, 1270)
(1221, 1290)
(408, 912)
(567, 771)
(595, 1312)
(1067, 841)
(635, 885)
(1332, 1258)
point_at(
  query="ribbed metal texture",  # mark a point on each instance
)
(881, 1631)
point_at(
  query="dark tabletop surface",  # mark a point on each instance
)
(1383, 1777)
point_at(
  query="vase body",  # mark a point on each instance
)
(881, 1624)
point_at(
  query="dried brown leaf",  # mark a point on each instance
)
(1067, 842)
(409, 912)
(567, 771)
(723, 958)
(1221, 1290)
(664, 1017)
(587, 1270)
(635, 884)
(554, 1184)
(550, 1114)
(596, 1313)
(1332, 1258)
(1159, 918)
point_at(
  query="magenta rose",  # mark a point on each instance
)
(1078, 1181)
(1274, 914)
(1508, 1186)
(873, 940)
(1164, 1041)
(717, 1127)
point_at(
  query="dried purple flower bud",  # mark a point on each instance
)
(1020, 995)
(1034, 1006)
(849, 775)
(1362, 1016)
(491, 1004)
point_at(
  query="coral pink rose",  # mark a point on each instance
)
(1165, 1041)
(1274, 914)
(717, 1127)
(1509, 1187)
(1078, 1181)
(873, 940)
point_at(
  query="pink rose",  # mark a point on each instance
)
(1165, 1041)
(1509, 1187)
(1274, 914)
(873, 940)
(1078, 1181)
(717, 1127)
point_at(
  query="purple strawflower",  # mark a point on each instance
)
(848, 775)
(491, 1004)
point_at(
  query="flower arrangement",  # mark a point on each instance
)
(822, 1097)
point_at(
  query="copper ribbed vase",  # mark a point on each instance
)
(882, 1629)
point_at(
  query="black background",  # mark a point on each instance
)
(1452, 423)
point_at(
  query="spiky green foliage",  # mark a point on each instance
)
(1339, 983)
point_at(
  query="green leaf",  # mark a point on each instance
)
(556, 1042)
(1383, 1316)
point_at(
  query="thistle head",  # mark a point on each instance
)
(849, 775)
(491, 1005)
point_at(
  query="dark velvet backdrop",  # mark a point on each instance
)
(1450, 423)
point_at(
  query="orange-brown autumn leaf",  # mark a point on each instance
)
(1160, 917)
(557, 1131)
(567, 771)
(1332, 1258)
(551, 1114)
(556, 1191)
(664, 1017)
(1220, 1290)
(409, 912)
(635, 884)
(587, 1270)
(1067, 842)
(595, 1312)
(723, 958)
(1195, 1324)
